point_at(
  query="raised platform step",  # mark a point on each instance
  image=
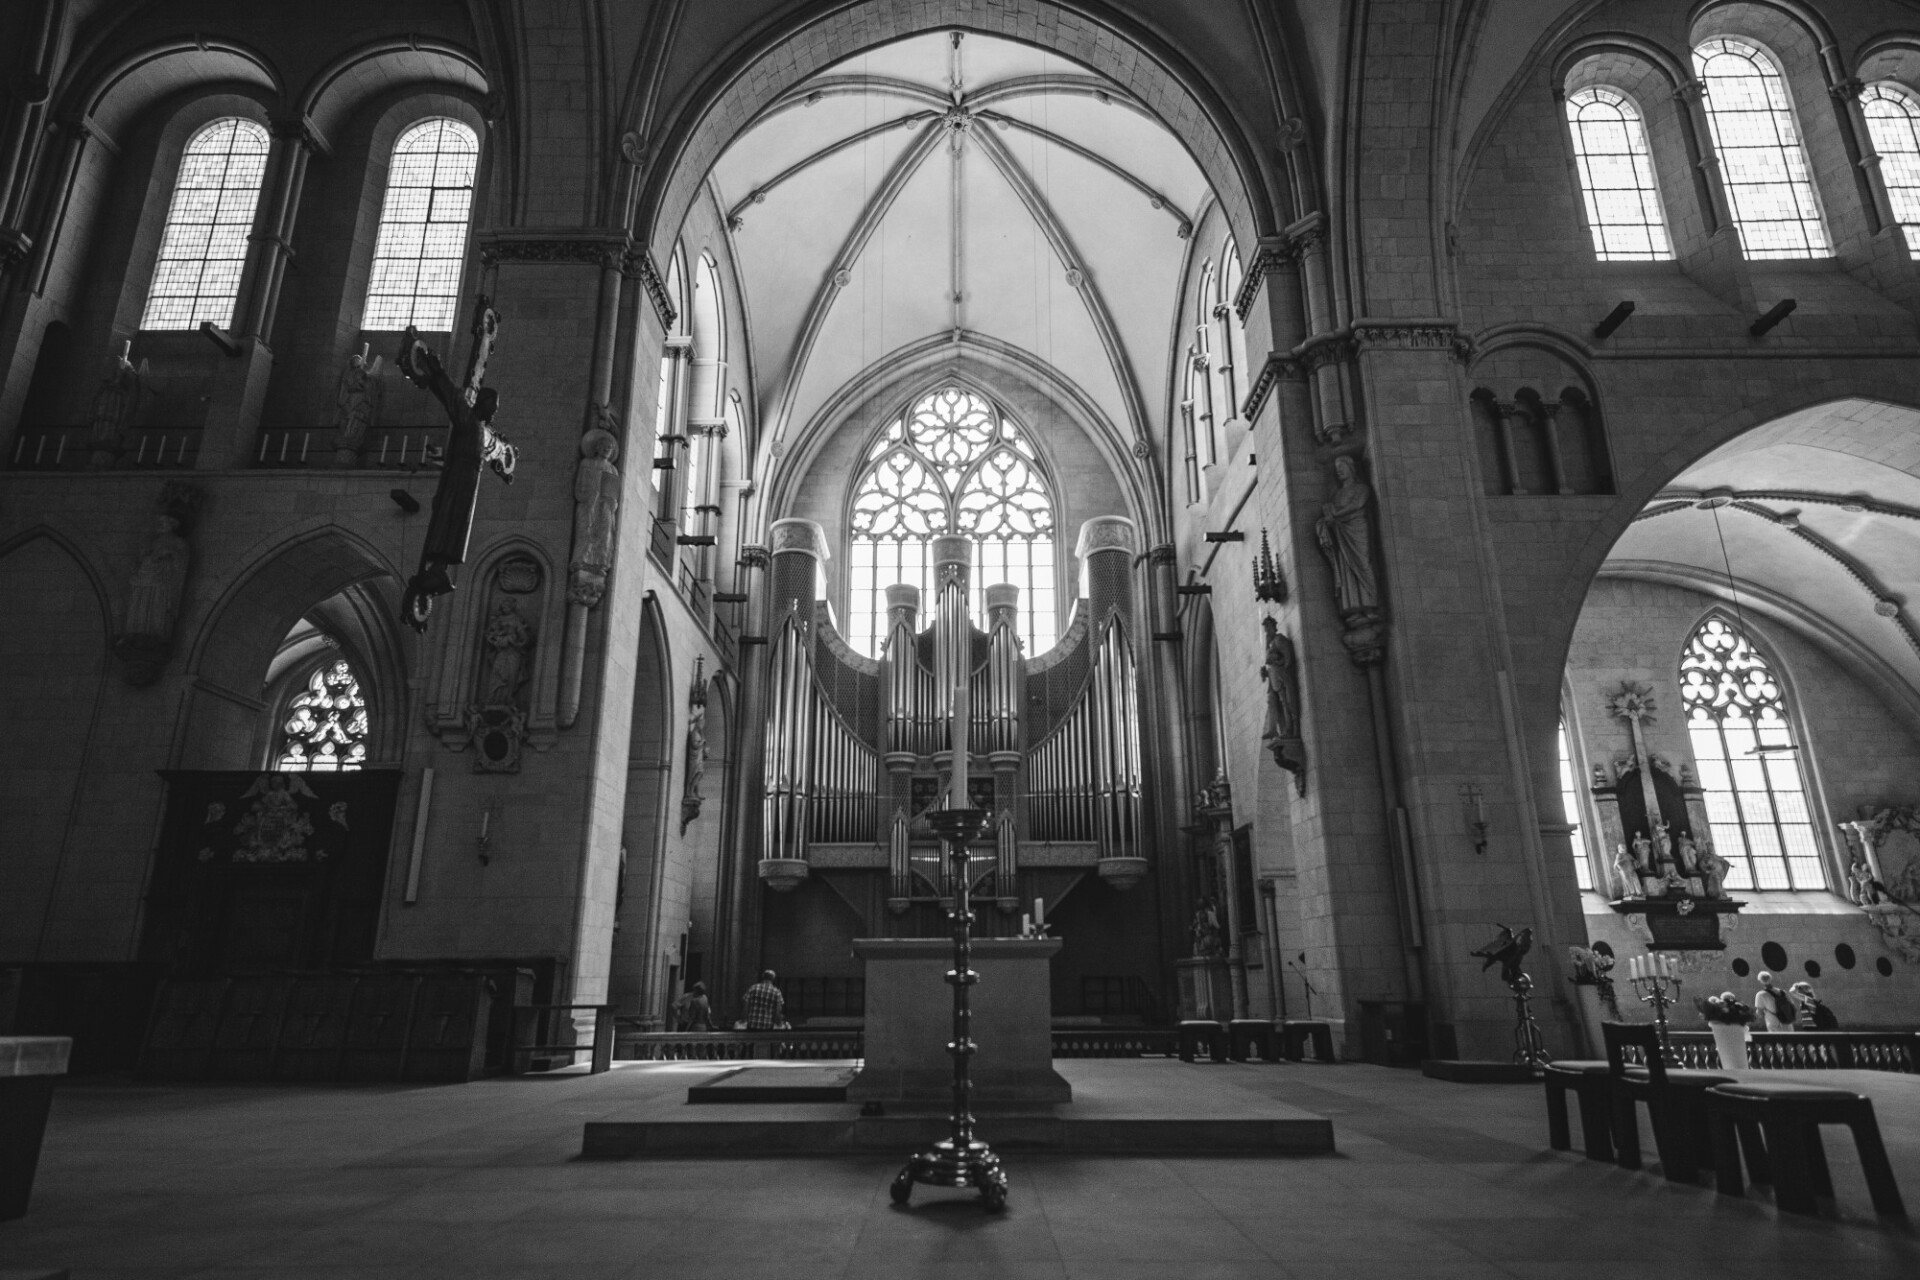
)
(1471, 1071)
(776, 1084)
(1132, 1107)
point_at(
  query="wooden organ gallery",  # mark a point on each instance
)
(858, 750)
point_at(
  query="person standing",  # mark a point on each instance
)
(1774, 1005)
(1814, 1014)
(765, 1006)
(695, 1010)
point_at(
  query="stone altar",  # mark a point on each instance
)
(910, 1020)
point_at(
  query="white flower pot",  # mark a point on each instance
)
(1731, 1041)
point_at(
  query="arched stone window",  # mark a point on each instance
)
(1763, 163)
(1570, 801)
(1893, 122)
(422, 245)
(204, 247)
(1744, 743)
(1616, 176)
(952, 463)
(326, 723)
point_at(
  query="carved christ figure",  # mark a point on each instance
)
(471, 444)
(1345, 534)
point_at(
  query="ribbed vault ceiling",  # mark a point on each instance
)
(953, 188)
(1820, 507)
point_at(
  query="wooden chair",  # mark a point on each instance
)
(1790, 1116)
(1676, 1103)
(1244, 1035)
(1198, 1032)
(1591, 1080)
(1295, 1032)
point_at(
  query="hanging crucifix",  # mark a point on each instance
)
(471, 444)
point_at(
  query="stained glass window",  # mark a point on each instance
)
(1893, 122)
(1762, 162)
(951, 464)
(1749, 764)
(1570, 801)
(204, 247)
(326, 725)
(1616, 176)
(423, 228)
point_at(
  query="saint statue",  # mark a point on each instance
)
(1345, 534)
(1862, 887)
(690, 798)
(508, 638)
(159, 580)
(353, 407)
(596, 509)
(1662, 846)
(1687, 854)
(115, 402)
(471, 444)
(1283, 686)
(1642, 853)
(1626, 875)
(1713, 871)
(1207, 939)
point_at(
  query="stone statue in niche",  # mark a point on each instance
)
(1345, 534)
(1687, 854)
(1642, 853)
(497, 723)
(471, 445)
(690, 797)
(354, 405)
(158, 584)
(1626, 875)
(1713, 871)
(1282, 732)
(116, 402)
(1208, 939)
(596, 512)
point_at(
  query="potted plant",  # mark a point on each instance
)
(1593, 989)
(1729, 1021)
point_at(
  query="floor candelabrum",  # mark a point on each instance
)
(960, 1159)
(1656, 980)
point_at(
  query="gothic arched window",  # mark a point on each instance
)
(951, 463)
(326, 724)
(1616, 176)
(1749, 766)
(423, 228)
(1763, 164)
(204, 246)
(1893, 122)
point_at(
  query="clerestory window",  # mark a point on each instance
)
(1749, 762)
(203, 249)
(422, 245)
(1893, 122)
(326, 724)
(1763, 163)
(952, 463)
(1616, 176)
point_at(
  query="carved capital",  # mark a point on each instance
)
(637, 263)
(755, 557)
(1690, 91)
(1162, 556)
(586, 251)
(1848, 90)
(586, 587)
(299, 130)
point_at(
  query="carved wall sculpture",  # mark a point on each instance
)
(1281, 671)
(690, 797)
(1345, 534)
(497, 719)
(159, 582)
(356, 401)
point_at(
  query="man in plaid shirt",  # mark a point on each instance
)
(765, 1006)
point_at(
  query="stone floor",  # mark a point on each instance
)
(1431, 1180)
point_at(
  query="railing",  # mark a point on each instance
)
(71, 449)
(1116, 1042)
(738, 1046)
(731, 1046)
(1897, 1051)
(385, 448)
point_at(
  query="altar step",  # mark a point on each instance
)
(1120, 1107)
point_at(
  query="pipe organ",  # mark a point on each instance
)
(856, 750)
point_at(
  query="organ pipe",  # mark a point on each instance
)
(906, 686)
(789, 745)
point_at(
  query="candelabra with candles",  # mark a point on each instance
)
(960, 1159)
(1656, 980)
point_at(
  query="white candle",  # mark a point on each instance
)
(957, 798)
(1637, 967)
(486, 816)
(1026, 926)
(1040, 911)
